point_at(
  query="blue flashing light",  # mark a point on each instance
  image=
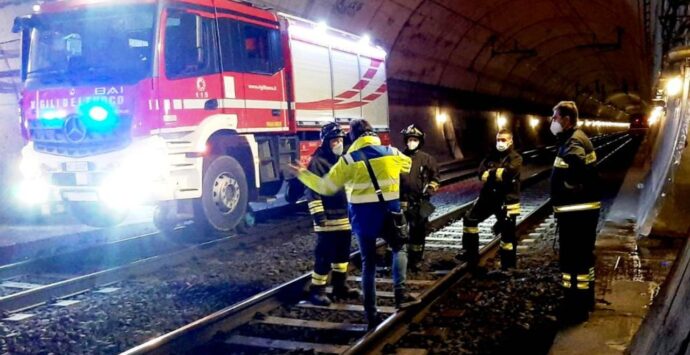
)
(51, 118)
(99, 116)
(54, 115)
(98, 113)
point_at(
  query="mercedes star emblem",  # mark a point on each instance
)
(74, 129)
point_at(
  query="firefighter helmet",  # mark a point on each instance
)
(413, 131)
(331, 130)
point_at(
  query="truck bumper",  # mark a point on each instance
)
(137, 175)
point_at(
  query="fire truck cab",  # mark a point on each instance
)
(192, 105)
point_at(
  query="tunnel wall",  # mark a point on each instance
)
(471, 120)
(10, 135)
(665, 205)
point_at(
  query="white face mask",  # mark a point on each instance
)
(502, 146)
(412, 145)
(556, 128)
(338, 149)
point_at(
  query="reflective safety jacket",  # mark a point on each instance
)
(574, 179)
(424, 172)
(351, 172)
(500, 173)
(329, 212)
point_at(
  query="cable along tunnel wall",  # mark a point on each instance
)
(665, 199)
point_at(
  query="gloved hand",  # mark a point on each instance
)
(485, 176)
(432, 188)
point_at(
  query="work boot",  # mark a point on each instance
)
(591, 302)
(470, 249)
(404, 299)
(373, 320)
(508, 259)
(317, 296)
(573, 310)
(340, 289)
(414, 260)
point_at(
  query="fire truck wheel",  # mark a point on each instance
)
(95, 214)
(224, 195)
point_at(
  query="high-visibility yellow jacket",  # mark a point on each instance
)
(351, 172)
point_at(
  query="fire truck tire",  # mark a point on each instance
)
(224, 196)
(95, 214)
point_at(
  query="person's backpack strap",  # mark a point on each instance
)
(374, 181)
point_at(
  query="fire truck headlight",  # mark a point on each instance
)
(32, 192)
(29, 166)
(136, 178)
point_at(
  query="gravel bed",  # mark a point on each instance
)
(113, 322)
(505, 312)
(150, 306)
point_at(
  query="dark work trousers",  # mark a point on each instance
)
(332, 250)
(418, 225)
(577, 232)
(505, 226)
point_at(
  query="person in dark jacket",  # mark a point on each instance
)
(576, 199)
(415, 191)
(368, 213)
(331, 224)
(500, 196)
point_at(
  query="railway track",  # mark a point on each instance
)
(271, 320)
(55, 279)
(100, 268)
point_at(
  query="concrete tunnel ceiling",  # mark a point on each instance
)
(535, 51)
(538, 51)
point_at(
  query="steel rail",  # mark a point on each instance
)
(205, 329)
(395, 327)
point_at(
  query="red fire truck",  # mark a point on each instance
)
(191, 105)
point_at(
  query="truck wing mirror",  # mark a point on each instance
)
(22, 23)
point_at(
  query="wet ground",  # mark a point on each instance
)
(515, 312)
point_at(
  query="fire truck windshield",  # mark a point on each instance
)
(92, 46)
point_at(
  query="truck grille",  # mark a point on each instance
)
(52, 138)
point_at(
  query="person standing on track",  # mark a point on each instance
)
(500, 196)
(331, 224)
(367, 213)
(576, 199)
(415, 191)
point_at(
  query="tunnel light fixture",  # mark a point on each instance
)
(605, 124)
(322, 26)
(441, 118)
(501, 121)
(533, 122)
(674, 86)
(655, 115)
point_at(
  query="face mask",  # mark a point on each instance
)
(556, 128)
(338, 149)
(412, 145)
(502, 146)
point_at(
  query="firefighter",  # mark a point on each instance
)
(500, 196)
(415, 191)
(331, 224)
(575, 197)
(367, 214)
